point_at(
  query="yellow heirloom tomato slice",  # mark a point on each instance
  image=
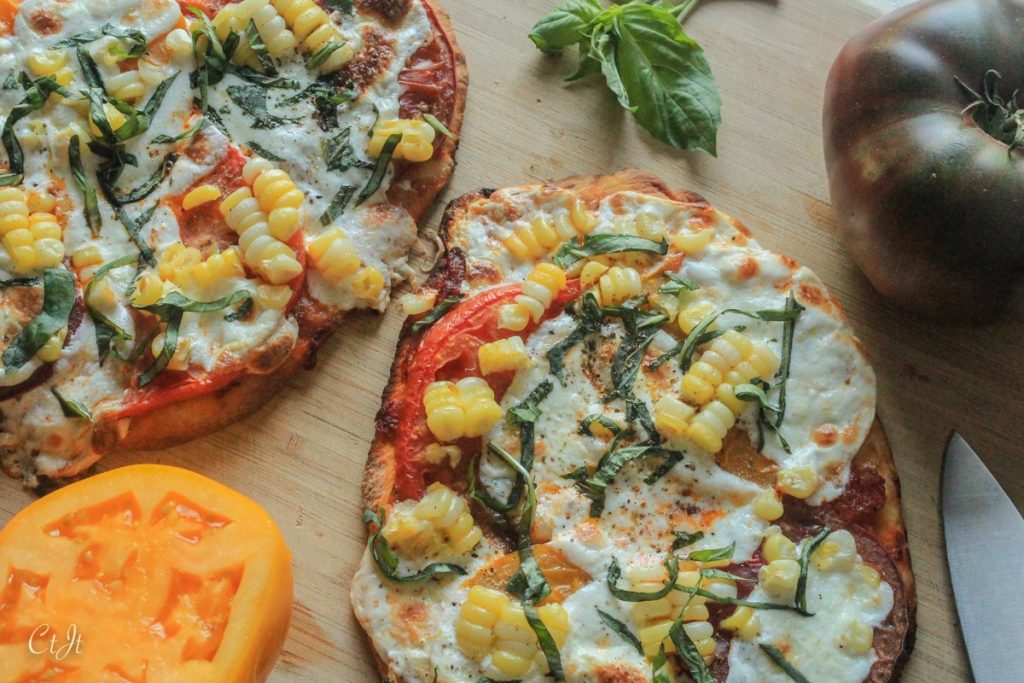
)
(144, 574)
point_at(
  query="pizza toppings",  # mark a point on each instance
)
(619, 447)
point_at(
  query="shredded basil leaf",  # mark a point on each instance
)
(676, 284)
(611, 463)
(800, 600)
(36, 94)
(9, 179)
(259, 48)
(715, 573)
(323, 54)
(604, 243)
(337, 206)
(713, 554)
(659, 674)
(92, 208)
(107, 331)
(621, 630)
(782, 375)
(603, 420)
(589, 323)
(685, 538)
(381, 168)
(71, 408)
(263, 151)
(614, 573)
(137, 39)
(527, 412)
(435, 313)
(252, 100)
(737, 602)
(438, 126)
(151, 183)
(547, 643)
(58, 301)
(387, 561)
(19, 282)
(190, 133)
(339, 155)
(687, 651)
(780, 661)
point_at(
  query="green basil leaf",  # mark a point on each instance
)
(339, 154)
(147, 188)
(611, 463)
(621, 630)
(667, 78)
(565, 26)
(10, 179)
(614, 573)
(589, 323)
(178, 301)
(92, 208)
(604, 243)
(780, 661)
(547, 643)
(685, 538)
(809, 546)
(755, 394)
(435, 313)
(323, 54)
(167, 352)
(602, 420)
(107, 331)
(71, 408)
(337, 206)
(380, 169)
(252, 100)
(387, 562)
(137, 40)
(687, 651)
(659, 674)
(19, 282)
(782, 376)
(604, 48)
(528, 410)
(713, 554)
(36, 94)
(262, 151)
(58, 301)
(676, 284)
(190, 133)
(259, 48)
(737, 602)
(436, 124)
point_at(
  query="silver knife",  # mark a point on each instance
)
(985, 549)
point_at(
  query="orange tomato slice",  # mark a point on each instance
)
(153, 574)
(564, 577)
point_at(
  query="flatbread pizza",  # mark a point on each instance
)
(623, 442)
(193, 196)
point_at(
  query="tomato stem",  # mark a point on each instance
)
(1002, 119)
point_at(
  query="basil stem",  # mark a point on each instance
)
(387, 561)
(800, 600)
(621, 630)
(71, 408)
(381, 168)
(435, 313)
(780, 661)
(92, 208)
(687, 651)
(58, 301)
(614, 572)
(605, 243)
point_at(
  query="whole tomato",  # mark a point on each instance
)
(922, 130)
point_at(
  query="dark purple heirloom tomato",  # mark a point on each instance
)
(924, 143)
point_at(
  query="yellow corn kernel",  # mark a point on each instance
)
(449, 518)
(48, 252)
(857, 639)
(417, 144)
(767, 506)
(368, 283)
(870, 575)
(273, 297)
(420, 302)
(445, 416)
(838, 552)
(666, 303)
(179, 43)
(232, 201)
(149, 289)
(86, 256)
(744, 622)
(799, 482)
(481, 410)
(513, 317)
(691, 316)
(650, 227)
(204, 194)
(584, 220)
(46, 62)
(477, 617)
(778, 547)
(779, 578)
(672, 417)
(591, 274)
(619, 284)
(23, 258)
(18, 238)
(44, 225)
(51, 350)
(710, 425)
(503, 355)
(334, 255)
(281, 268)
(692, 243)
(127, 86)
(724, 392)
(696, 390)
(41, 203)
(182, 351)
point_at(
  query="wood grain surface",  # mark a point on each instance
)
(302, 455)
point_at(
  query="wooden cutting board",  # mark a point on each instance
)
(301, 457)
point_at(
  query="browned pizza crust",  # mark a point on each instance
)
(871, 508)
(415, 189)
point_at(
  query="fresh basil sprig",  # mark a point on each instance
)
(775, 654)
(621, 630)
(654, 69)
(71, 408)
(58, 301)
(387, 561)
(605, 243)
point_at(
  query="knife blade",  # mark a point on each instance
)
(985, 550)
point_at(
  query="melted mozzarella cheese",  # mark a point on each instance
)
(32, 426)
